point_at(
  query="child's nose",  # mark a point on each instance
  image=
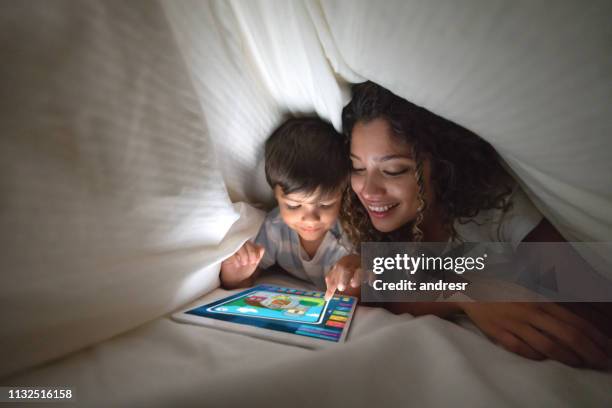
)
(312, 215)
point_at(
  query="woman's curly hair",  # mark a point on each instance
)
(466, 173)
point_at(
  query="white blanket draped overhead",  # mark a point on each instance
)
(125, 126)
(533, 79)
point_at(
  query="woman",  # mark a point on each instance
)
(419, 177)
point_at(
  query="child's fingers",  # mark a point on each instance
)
(251, 253)
(255, 252)
(237, 260)
(260, 251)
(243, 256)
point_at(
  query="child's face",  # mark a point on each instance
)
(311, 216)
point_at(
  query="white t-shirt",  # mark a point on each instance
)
(495, 226)
(283, 247)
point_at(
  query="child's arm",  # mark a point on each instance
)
(240, 270)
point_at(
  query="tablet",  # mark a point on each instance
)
(285, 315)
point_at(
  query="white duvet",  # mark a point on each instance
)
(127, 130)
(388, 360)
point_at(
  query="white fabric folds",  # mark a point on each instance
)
(126, 128)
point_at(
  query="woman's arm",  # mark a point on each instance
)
(543, 232)
(440, 309)
(572, 335)
(533, 330)
(599, 314)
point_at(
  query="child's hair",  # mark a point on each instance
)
(307, 155)
(466, 174)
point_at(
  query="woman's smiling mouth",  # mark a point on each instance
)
(380, 210)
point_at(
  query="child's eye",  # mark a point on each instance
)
(326, 205)
(292, 207)
(397, 173)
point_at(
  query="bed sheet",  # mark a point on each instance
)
(388, 360)
(131, 125)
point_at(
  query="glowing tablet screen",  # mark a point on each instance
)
(295, 311)
(273, 305)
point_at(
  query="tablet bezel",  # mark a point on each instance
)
(261, 332)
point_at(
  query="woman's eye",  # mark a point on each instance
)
(357, 170)
(292, 207)
(397, 173)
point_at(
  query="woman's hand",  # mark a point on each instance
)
(542, 330)
(345, 275)
(239, 269)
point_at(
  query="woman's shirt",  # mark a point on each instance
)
(496, 226)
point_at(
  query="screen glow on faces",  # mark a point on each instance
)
(383, 176)
(310, 215)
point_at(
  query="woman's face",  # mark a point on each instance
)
(383, 175)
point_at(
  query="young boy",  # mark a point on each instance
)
(308, 168)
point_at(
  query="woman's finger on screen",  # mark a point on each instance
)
(356, 279)
(344, 277)
(331, 282)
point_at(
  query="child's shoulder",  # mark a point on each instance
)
(272, 227)
(340, 237)
(273, 214)
(273, 217)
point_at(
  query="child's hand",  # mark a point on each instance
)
(345, 274)
(542, 330)
(241, 266)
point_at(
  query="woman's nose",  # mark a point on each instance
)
(372, 187)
